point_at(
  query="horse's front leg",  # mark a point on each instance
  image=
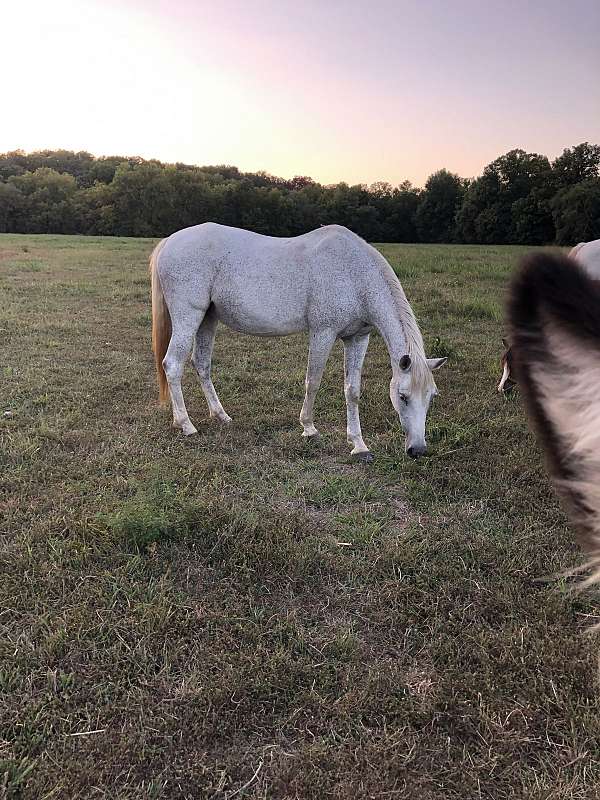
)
(355, 349)
(319, 348)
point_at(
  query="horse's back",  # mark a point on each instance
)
(214, 235)
(587, 255)
(330, 254)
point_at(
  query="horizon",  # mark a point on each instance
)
(130, 156)
(263, 87)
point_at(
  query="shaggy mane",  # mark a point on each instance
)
(420, 372)
(554, 315)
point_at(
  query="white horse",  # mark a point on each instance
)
(554, 315)
(328, 282)
(587, 256)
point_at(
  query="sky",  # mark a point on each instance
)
(361, 90)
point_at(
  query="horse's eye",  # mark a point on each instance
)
(404, 399)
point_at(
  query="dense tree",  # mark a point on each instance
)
(577, 164)
(576, 213)
(144, 200)
(532, 221)
(298, 182)
(397, 214)
(13, 163)
(438, 204)
(46, 201)
(486, 215)
(519, 197)
(11, 201)
(93, 210)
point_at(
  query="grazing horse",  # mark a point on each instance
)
(554, 318)
(328, 282)
(587, 255)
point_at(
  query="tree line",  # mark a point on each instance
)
(520, 198)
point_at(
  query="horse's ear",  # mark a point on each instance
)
(505, 343)
(405, 363)
(436, 363)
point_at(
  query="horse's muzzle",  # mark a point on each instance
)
(508, 387)
(415, 451)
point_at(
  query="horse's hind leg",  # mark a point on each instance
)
(319, 348)
(179, 349)
(205, 337)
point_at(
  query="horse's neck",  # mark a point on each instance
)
(392, 323)
(391, 312)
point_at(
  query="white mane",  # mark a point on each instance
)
(421, 374)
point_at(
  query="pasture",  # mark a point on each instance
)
(246, 614)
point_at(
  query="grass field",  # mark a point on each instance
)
(245, 614)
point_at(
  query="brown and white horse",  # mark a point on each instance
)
(586, 255)
(554, 320)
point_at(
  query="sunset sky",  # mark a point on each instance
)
(355, 91)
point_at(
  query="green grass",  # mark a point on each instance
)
(178, 614)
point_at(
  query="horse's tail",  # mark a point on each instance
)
(574, 250)
(161, 325)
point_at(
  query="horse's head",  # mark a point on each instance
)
(507, 382)
(411, 390)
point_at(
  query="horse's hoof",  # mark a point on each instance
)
(311, 437)
(187, 430)
(224, 420)
(364, 457)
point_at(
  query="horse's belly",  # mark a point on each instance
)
(268, 320)
(261, 303)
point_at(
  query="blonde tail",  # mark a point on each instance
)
(161, 325)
